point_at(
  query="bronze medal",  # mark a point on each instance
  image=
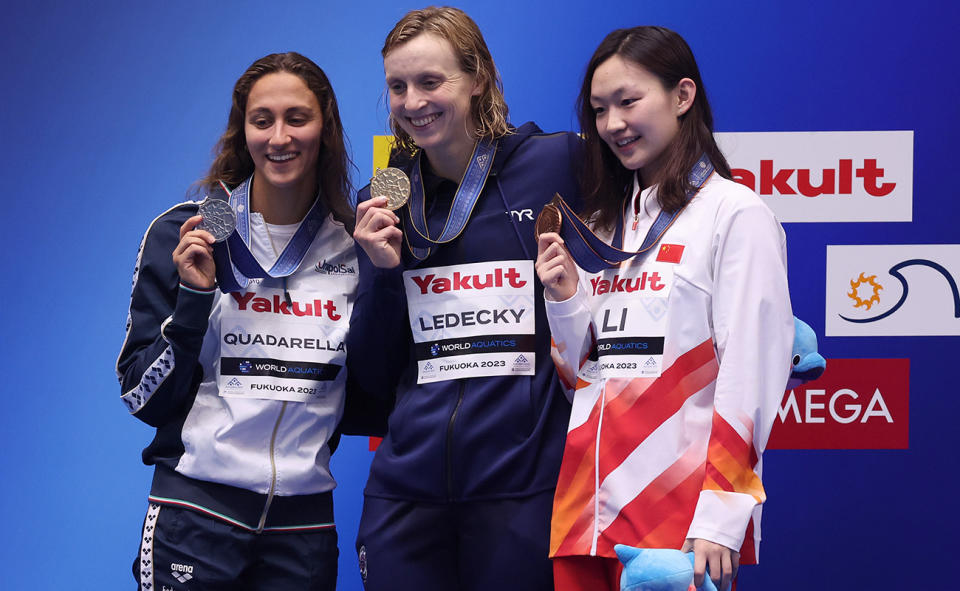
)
(393, 184)
(549, 220)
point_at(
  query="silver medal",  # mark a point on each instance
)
(218, 218)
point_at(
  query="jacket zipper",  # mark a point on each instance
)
(273, 469)
(596, 477)
(453, 418)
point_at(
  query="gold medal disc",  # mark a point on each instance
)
(393, 184)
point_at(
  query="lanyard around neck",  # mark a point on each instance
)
(593, 255)
(236, 265)
(468, 193)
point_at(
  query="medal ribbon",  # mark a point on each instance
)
(468, 192)
(236, 265)
(594, 255)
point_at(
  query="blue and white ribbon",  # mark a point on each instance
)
(593, 255)
(236, 265)
(468, 192)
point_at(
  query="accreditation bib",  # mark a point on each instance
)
(472, 320)
(629, 306)
(278, 349)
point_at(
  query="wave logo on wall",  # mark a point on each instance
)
(893, 290)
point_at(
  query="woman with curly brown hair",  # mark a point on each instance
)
(235, 350)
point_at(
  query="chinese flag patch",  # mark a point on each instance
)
(670, 253)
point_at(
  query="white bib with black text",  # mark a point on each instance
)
(629, 306)
(472, 320)
(276, 350)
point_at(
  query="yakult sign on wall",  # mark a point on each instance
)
(826, 176)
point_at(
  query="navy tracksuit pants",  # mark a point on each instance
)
(499, 545)
(182, 550)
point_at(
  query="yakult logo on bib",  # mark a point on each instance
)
(630, 319)
(283, 346)
(845, 176)
(462, 281)
(472, 320)
(646, 281)
(276, 305)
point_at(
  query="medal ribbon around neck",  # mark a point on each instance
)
(236, 265)
(593, 254)
(468, 192)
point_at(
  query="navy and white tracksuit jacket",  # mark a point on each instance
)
(257, 463)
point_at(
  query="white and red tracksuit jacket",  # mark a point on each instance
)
(650, 461)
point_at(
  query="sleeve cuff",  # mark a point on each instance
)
(569, 306)
(193, 307)
(722, 517)
(199, 290)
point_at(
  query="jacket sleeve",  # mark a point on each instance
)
(157, 366)
(753, 331)
(377, 345)
(571, 335)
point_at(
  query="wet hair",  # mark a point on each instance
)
(604, 180)
(488, 109)
(233, 164)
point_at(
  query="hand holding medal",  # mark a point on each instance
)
(549, 219)
(554, 265)
(377, 232)
(194, 253)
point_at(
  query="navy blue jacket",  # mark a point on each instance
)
(475, 438)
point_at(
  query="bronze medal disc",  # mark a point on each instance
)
(393, 184)
(549, 220)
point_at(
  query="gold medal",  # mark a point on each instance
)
(549, 219)
(393, 184)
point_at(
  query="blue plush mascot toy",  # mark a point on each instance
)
(658, 569)
(807, 364)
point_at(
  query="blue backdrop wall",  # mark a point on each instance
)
(109, 112)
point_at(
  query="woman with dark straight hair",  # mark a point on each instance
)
(223, 354)
(674, 332)
(665, 55)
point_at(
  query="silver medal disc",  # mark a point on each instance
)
(218, 218)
